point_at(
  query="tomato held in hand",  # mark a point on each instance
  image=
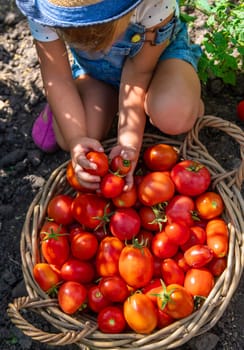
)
(71, 297)
(46, 276)
(120, 166)
(140, 313)
(199, 281)
(160, 157)
(190, 178)
(136, 265)
(72, 178)
(59, 209)
(100, 159)
(198, 255)
(176, 301)
(209, 205)
(111, 320)
(112, 185)
(125, 223)
(155, 188)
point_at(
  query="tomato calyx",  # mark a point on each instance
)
(54, 235)
(104, 219)
(160, 216)
(138, 244)
(164, 296)
(195, 167)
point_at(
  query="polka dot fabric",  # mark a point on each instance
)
(151, 12)
(148, 13)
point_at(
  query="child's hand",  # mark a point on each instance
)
(127, 153)
(78, 149)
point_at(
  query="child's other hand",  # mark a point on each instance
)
(78, 149)
(127, 153)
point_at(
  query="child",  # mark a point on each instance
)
(130, 57)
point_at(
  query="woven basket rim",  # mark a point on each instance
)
(82, 331)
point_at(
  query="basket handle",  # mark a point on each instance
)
(54, 339)
(192, 142)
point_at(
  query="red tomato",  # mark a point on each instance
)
(217, 237)
(178, 232)
(155, 188)
(114, 288)
(90, 210)
(180, 209)
(74, 230)
(164, 319)
(209, 205)
(111, 320)
(172, 272)
(100, 159)
(176, 301)
(181, 261)
(72, 178)
(55, 248)
(46, 276)
(198, 255)
(191, 178)
(59, 209)
(126, 199)
(199, 281)
(77, 271)
(162, 247)
(125, 223)
(136, 265)
(112, 185)
(140, 313)
(152, 218)
(240, 110)
(160, 157)
(107, 258)
(96, 300)
(71, 297)
(84, 245)
(120, 166)
(51, 227)
(197, 236)
(217, 266)
(157, 267)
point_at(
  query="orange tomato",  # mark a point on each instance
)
(199, 281)
(72, 178)
(217, 237)
(140, 313)
(209, 205)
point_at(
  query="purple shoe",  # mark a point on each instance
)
(42, 131)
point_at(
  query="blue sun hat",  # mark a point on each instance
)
(54, 14)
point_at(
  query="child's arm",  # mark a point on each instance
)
(66, 104)
(136, 77)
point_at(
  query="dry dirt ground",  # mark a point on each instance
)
(23, 170)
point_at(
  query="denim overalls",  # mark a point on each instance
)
(108, 66)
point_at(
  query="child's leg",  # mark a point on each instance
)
(174, 97)
(101, 105)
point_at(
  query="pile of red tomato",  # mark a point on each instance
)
(136, 260)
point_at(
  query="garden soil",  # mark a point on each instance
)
(24, 170)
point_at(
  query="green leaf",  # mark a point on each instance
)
(186, 18)
(203, 5)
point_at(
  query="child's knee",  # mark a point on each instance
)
(173, 118)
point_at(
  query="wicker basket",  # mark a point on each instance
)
(83, 330)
